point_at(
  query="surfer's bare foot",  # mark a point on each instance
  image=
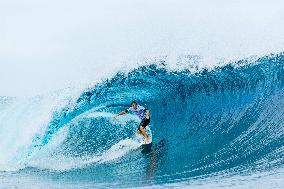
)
(146, 140)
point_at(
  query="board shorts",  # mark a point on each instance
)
(143, 123)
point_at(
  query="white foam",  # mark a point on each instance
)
(45, 159)
(21, 121)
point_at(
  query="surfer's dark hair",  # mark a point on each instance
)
(133, 102)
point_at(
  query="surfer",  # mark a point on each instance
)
(143, 114)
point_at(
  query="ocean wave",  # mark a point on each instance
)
(226, 119)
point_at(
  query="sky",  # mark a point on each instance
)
(51, 45)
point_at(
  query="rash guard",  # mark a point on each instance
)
(140, 111)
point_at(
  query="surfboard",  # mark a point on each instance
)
(146, 148)
(148, 144)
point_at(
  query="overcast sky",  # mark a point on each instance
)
(50, 44)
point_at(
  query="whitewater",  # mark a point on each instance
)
(211, 74)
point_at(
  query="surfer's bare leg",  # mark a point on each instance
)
(142, 131)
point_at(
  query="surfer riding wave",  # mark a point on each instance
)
(143, 114)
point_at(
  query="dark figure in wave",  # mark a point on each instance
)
(143, 114)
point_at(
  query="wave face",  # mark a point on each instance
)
(226, 121)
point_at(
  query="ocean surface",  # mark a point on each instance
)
(221, 127)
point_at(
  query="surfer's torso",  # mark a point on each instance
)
(140, 111)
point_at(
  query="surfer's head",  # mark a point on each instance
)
(134, 104)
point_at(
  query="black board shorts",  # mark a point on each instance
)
(143, 123)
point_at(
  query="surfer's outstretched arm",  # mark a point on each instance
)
(119, 114)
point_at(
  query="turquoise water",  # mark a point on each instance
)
(208, 126)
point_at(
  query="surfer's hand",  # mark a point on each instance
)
(147, 117)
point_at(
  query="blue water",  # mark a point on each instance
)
(208, 126)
